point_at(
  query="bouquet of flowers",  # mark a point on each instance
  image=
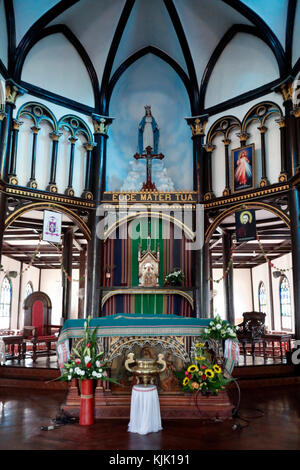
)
(203, 374)
(219, 330)
(86, 362)
(175, 277)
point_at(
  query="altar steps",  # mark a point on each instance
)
(266, 375)
(31, 378)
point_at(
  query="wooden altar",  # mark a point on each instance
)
(119, 334)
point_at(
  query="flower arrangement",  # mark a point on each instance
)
(219, 329)
(85, 362)
(203, 374)
(175, 277)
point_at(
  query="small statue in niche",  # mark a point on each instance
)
(148, 267)
(168, 381)
(148, 132)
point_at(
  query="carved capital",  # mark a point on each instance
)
(87, 195)
(286, 90)
(197, 125)
(226, 142)
(13, 180)
(209, 147)
(69, 192)
(32, 184)
(13, 91)
(35, 129)
(296, 112)
(262, 129)
(264, 182)
(283, 177)
(281, 122)
(73, 140)
(17, 124)
(3, 115)
(55, 135)
(243, 136)
(101, 124)
(89, 146)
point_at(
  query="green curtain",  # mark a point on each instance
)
(148, 303)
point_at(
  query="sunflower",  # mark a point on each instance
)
(217, 369)
(185, 381)
(209, 373)
(193, 368)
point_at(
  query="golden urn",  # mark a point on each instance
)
(145, 369)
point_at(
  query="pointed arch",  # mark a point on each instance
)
(163, 56)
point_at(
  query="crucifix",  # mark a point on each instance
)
(148, 156)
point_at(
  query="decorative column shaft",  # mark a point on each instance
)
(209, 148)
(13, 156)
(95, 245)
(54, 136)
(200, 256)
(296, 114)
(228, 279)
(87, 194)
(32, 182)
(264, 181)
(294, 196)
(70, 191)
(12, 92)
(227, 189)
(67, 282)
(283, 172)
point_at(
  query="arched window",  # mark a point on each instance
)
(262, 298)
(28, 289)
(5, 302)
(285, 303)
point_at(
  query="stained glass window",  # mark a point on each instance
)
(262, 298)
(5, 302)
(28, 289)
(285, 304)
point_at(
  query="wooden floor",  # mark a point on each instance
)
(23, 412)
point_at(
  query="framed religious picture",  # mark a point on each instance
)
(242, 163)
(245, 225)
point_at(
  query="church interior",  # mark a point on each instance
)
(149, 187)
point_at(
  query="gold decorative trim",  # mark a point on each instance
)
(263, 183)
(44, 205)
(244, 197)
(32, 184)
(133, 291)
(283, 177)
(159, 215)
(13, 180)
(59, 199)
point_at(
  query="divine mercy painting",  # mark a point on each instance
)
(243, 167)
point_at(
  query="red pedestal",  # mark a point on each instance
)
(86, 417)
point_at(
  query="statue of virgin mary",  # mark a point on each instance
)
(148, 132)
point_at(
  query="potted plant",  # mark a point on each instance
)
(87, 364)
(175, 277)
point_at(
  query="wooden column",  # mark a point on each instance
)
(271, 297)
(296, 114)
(209, 148)
(12, 177)
(87, 194)
(264, 180)
(13, 91)
(54, 136)
(200, 256)
(70, 191)
(228, 279)
(227, 189)
(82, 274)
(95, 245)
(32, 182)
(283, 171)
(294, 196)
(2, 216)
(67, 283)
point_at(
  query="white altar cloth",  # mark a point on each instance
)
(144, 410)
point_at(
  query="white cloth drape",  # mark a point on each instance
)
(145, 410)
